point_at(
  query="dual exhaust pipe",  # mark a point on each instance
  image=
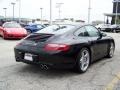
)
(43, 66)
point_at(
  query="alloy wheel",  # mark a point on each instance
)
(84, 60)
(111, 52)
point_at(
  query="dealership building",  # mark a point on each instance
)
(115, 14)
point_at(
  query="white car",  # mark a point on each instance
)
(115, 28)
(104, 27)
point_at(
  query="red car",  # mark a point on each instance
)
(12, 30)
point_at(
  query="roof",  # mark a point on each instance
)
(76, 25)
(116, 0)
(111, 14)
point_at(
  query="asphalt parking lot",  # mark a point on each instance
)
(20, 76)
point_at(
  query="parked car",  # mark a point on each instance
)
(33, 27)
(65, 46)
(12, 30)
(115, 28)
(104, 27)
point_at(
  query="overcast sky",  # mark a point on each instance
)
(77, 9)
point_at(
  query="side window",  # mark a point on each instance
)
(81, 32)
(92, 31)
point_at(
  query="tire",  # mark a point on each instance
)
(83, 60)
(29, 32)
(114, 31)
(111, 50)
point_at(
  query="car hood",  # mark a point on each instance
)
(16, 30)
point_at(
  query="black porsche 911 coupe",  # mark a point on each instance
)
(65, 46)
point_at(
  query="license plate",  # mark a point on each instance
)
(28, 56)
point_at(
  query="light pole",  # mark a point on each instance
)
(50, 12)
(59, 7)
(41, 14)
(13, 10)
(5, 9)
(89, 11)
(116, 12)
(19, 11)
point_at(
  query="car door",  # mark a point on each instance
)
(81, 38)
(98, 44)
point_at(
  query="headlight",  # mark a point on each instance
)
(24, 31)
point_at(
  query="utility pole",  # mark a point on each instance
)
(89, 11)
(19, 11)
(5, 9)
(13, 10)
(116, 12)
(59, 7)
(41, 14)
(50, 12)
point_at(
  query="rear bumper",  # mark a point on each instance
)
(54, 61)
(15, 36)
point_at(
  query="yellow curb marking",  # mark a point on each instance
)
(112, 84)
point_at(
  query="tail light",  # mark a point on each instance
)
(57, 47)
(19, 44)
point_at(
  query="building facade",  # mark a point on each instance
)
(116, 11)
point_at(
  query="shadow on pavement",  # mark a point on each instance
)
(56, 73)
(50, 73)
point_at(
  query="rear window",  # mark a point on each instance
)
(57, 29)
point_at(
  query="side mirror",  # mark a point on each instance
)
(103, 34)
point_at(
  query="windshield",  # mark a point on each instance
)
(56, 29)
(12, 25)
(39, 26)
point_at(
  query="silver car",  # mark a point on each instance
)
(104, 27)
(115, 28)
